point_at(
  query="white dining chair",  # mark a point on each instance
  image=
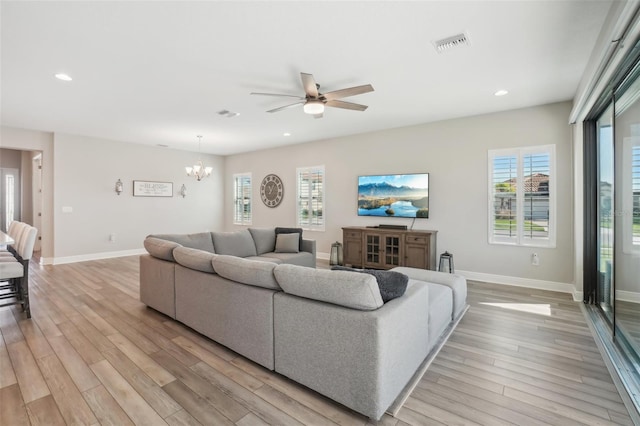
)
(14, 275)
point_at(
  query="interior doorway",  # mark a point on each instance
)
(10, 199)
(36, 194)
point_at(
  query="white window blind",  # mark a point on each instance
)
(631, 195)
(522, 196)
(635, 184)
(242, 199)
(310, 193)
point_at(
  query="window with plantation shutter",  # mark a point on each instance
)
(522, 196)
(310, 193)
(631, 195)
(242, 199)
(635, 197)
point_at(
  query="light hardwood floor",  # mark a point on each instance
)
(93, 354)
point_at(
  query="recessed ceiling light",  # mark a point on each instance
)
(501, 92)
(63, 77)
(286, 134)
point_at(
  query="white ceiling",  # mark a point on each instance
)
(158, 72)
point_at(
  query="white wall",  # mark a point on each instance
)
(86, 170)
(454, 152)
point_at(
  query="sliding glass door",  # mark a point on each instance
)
(605, 216)
(617, 136)
(626, 163)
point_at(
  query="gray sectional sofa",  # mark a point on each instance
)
(328, 330)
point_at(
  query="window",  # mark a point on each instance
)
(9, 200)
(522, 196)
(310, 205)
(242, 199)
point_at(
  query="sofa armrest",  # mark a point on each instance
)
(457, 283)
(362, 359)
(309, 246)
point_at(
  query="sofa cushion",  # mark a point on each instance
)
(392, 284)
(160, 248)
(287, 243)
(200, 240)
(264, 239)
(303, 258)
(280, 230)
(264, 258)
(199, 260)
(251, 272)
(356, 291)
(237, 243)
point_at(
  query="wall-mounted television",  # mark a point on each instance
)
(404, 195)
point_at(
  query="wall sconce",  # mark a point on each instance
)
(119, 187)
(183, 191)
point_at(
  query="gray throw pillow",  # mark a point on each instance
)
(280, 230)
(392, 284)
(287, 243)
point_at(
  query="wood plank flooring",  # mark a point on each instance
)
(93, 354)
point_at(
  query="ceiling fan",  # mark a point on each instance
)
(314, 102)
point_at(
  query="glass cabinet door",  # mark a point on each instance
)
(373, 249)
(392, 250)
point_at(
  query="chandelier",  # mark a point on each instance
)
(199, 170)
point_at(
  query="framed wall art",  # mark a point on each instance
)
(144, 188)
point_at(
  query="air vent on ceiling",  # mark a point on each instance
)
(228, 114)
(457, 40)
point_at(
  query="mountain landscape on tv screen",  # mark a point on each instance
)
(385, 189)
(388, 200)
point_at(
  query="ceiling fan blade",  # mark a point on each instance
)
(309, 84)
(346, 105)
(345, 93)
(286, 106)
(276, 94)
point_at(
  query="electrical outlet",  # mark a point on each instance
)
(112, 238)
(535, 259)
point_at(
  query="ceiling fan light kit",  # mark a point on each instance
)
(313, 107)
(313, 102)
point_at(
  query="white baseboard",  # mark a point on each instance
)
(476, 276)
(628, 296)
(92, 256)
(322, 256)
(523, 282)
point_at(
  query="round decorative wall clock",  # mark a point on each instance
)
(271, 190)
